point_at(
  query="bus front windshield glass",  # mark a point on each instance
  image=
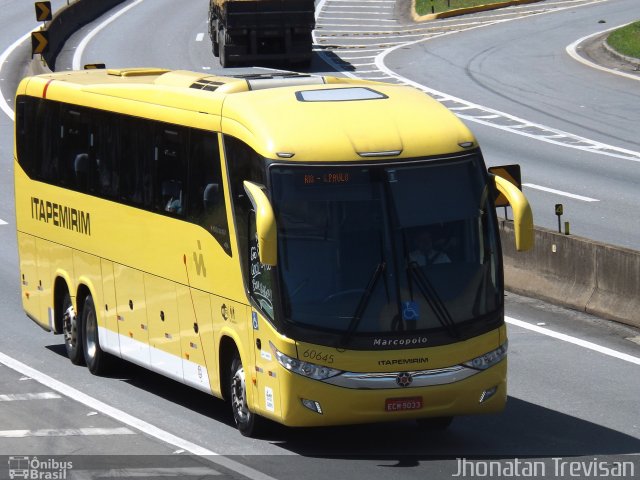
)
(366, 250)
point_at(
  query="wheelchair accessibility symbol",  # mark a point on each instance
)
(410, 311)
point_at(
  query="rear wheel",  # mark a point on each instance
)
(248, 423)
(222, 49)
(72, 329)
(94, 357)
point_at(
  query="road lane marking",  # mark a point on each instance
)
(199, 37)
(131, 421)
(151, 472)
(486, 116)
(560, 192)
(77, 56)
(17, 397)
(65, 432)
(2, 222)
(3, 60)
(576, 341)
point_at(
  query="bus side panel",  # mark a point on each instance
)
(109, 315)
(194, 313)
(29, 279)
(53, 260)
(132, 315)
(267, 393)
(90, 275)
(164, 326)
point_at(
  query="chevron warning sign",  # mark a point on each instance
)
(39, 42)
(508, 172)
(43, 11)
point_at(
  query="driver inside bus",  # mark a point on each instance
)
(426, 252)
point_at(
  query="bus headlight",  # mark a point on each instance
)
(306, 369)
(489, 359)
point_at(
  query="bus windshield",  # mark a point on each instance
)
(384, 249)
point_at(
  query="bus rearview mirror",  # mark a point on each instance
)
(522, 215)
(266, 228)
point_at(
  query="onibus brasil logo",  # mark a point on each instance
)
(36, 469)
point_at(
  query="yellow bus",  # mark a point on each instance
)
(268, 239)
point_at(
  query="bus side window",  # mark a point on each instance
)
(170, 169)
(73, 167)
(205, 203)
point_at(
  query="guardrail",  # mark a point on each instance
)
(68, 20)
(576, 272)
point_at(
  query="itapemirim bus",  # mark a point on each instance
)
(267, 239)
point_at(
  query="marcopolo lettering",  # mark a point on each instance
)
(61, 215)
(397, 342)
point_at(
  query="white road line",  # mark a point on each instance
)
(65, 432)
(519, 126)
(2, 222)
(560, 192)
(16, 397)
(576, 341)
(199, 37)
(3, 59)
(180, 472)
(573, 53)
(130, 420)
(77, 55)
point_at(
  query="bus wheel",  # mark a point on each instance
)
(246, 421)
(72, 331)
(435, 423)
(94, 357)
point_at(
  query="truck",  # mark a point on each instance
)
(259, 31)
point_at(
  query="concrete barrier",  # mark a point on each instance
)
(70, 19)
(576, 272)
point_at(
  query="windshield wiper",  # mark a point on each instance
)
(433, 299)
(364, 301)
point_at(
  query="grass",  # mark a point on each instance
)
(626, 40)
(423, 7)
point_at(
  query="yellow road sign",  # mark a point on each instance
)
(39, 42)
(43, 11)
(508, 172)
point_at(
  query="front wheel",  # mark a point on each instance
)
(248, 423)
(94, 357)
(72, 329)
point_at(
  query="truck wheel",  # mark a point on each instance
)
(72, 329)
(94, 357)
(222, 49)
(248, 423)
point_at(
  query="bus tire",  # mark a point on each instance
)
(223, 52)
(435, 423)
(72, 330)
(246, 421)
(94, 357)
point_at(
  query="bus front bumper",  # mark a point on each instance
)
(316, 403)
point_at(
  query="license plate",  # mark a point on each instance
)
(400, 404)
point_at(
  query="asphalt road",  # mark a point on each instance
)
(571, 397)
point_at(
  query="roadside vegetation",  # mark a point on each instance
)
(626, 40)
(425, 7)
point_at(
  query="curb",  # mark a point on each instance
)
(464, 11)
(631, 60)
